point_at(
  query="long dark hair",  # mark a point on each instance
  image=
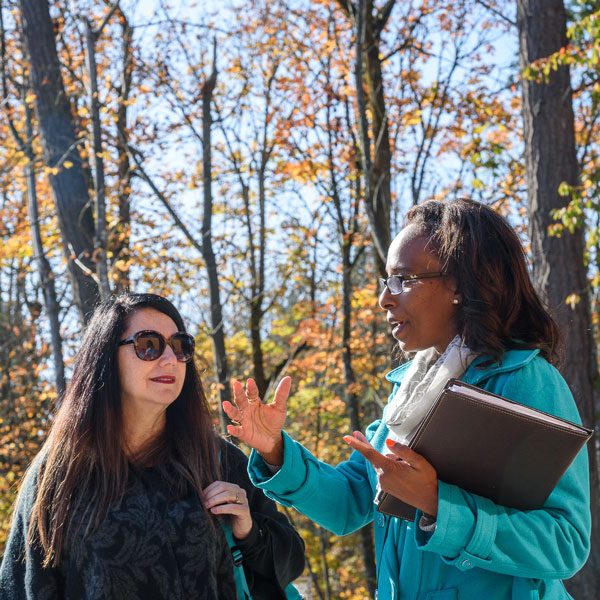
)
(84, 453)
(500, 308)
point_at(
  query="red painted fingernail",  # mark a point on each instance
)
(347, 438)
(389, 443)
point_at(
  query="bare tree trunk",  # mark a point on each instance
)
(558, 267)
(347, 235)
(46, 275)
(258, 279)
(375, 148)
(216, 310)
(379, 199)
(60, 145)
(324, 546)
(258, 361)
(100, 239)
(45, 271)
(120, 241)
(352, 404)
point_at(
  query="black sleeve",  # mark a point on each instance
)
(273, 551)
(21, 574)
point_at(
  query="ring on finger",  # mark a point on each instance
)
(237, 500)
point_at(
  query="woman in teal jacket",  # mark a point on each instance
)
(458, 295)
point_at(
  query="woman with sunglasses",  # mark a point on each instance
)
(458, 298)
(125, 497)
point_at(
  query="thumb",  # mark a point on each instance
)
(282, 392)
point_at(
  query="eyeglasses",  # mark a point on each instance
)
(150, 345)
(395, 283)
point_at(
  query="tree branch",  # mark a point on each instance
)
(280, 368)
(348, 7)
(110, 13)
(383, 15)
(133, 154)
(496, 12)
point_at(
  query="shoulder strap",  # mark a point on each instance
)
(243, 592)
(238, 570)
(241, 584)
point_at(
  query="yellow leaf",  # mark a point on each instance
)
(414, 119)
(67, 164)
(572, 300)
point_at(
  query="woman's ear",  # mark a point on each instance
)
(457, 298)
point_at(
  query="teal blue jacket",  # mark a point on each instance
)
(479, 550)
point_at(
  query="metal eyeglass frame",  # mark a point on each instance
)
(383, 282)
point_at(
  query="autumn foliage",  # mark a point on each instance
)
(291, 232)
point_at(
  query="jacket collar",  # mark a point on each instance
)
(397, 374)
(512, 360)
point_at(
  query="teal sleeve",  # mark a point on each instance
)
(338, 498)
(552, 542)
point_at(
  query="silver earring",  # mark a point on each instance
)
(455, 301)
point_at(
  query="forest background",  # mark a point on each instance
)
(251, 160)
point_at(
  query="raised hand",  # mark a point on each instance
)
(258, 424)
(225, 498)
(403, 473)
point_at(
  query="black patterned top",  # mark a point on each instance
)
(152, 547)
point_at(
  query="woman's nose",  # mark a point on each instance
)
(168, 356)
(386, 300)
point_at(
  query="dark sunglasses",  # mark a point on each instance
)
(150, 345)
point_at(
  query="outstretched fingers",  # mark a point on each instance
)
(282, 392)
(253, 421)
(252, 394)
(232, 411)
(235, 430)
(360, 443)
(235, 412)
(239, 395)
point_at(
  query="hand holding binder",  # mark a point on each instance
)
(416, 476)
(493, 447)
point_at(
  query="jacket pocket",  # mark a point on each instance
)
(450, 594)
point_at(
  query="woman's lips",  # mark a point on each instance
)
(398, 327)
(163, 379)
